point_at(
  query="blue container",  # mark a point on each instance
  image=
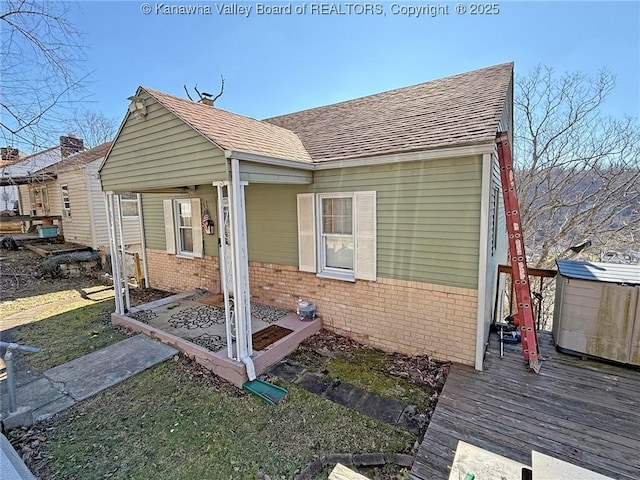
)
(49, 231)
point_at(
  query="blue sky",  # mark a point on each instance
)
(283, 63)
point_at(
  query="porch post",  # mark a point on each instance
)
(125, 277)
(143, 242)
(242, 303)
(222, 260)
(113, 247)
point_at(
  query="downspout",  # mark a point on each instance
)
(241, 286)
(143, 242)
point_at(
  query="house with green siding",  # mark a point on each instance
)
(384, 211)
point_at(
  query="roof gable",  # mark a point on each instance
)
(231, 131)
(459, 110)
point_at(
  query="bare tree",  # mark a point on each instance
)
(95, 128)
(42, 58)
(578, 171)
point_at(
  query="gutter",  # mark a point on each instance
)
(435, 154)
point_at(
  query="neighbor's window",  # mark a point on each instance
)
(336, 233)
(129, 205)
(66, 204)
(184, 224)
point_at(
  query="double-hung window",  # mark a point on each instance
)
(184, 224)
(183, 231)
(337, 235)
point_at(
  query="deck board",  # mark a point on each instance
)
(581, 411)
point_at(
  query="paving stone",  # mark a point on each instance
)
(92, 373)
(287, 371)
(53, 407)
(32, 395)
(412, 420)
(368, 459)
(400, 459)
(313, 384)
(384, 409)
(333, 458)
(22, 417)
(346, 394)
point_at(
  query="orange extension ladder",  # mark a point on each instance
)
(519, 269)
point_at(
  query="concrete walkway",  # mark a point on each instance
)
(40, 396)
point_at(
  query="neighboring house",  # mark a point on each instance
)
(15, 173)
(67, 184)
(385, 211)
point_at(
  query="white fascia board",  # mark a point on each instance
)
(280, 162)
(435, 154)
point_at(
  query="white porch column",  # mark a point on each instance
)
(242, 299)
(124, 277)
(113, 247)
(222, 260)
(143, 242)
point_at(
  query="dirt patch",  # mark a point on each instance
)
(22, 275)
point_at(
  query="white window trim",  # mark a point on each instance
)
(172, 241)
(323, 270)
(176, 221)
(66, 211)
(364, 215)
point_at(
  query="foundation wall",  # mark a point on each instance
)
(394, 315)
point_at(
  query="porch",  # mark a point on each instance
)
(193, 323)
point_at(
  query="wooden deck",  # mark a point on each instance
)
(582, 411)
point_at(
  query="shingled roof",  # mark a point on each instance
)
(459, 110)
(231, 131)
(79, 159)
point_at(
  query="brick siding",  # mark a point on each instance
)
(393, 315)
(174, 274)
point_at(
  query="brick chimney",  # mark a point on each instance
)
(206, 99)
(70, 144)
(9, 154)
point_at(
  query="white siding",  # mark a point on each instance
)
(101, 232)
(77, 229)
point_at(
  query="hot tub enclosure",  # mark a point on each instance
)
(597, 310)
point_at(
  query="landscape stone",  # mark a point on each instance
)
(368, 459)
(346, 394)
(385, 409)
